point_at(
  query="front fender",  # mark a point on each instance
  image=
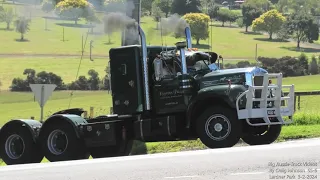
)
(227, 94)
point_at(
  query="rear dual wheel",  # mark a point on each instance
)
(59, 142)
(18, 146)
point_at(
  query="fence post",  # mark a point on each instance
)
(295, 103)
(299, 102)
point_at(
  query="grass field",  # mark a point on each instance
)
(64, 67)
(230, 42)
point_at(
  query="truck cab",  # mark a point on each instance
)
(180, 93)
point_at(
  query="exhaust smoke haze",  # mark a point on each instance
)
(173, 24)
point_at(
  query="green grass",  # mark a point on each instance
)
(22, 105)
(229, 42)
(304, 83)
(65, 67)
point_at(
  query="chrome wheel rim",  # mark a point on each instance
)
(57, 142)
(14, 146)
(218, 127)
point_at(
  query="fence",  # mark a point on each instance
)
(297, 99)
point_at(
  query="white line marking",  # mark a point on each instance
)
(178, 177)
(247, 173)
(284, 145)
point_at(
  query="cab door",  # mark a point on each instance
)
(126, 81)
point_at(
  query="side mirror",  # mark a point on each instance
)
(213, 57)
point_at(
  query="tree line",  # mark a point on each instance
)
(92, 83)
(287, 19)
(289, 66)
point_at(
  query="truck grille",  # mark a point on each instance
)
(258, 81)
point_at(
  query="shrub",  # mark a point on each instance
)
(314, 68)
(289, 66)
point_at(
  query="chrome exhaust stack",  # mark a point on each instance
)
(187, 32)
(145, 68)
(180, 47)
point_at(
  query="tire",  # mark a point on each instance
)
(262, 135)
(70, 148)
(123, 149)
(17, 146)
(220, 116)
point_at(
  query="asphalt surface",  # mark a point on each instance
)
(276, 161)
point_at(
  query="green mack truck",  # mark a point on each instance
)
(159, 94)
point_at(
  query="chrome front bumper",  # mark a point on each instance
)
(263, 111)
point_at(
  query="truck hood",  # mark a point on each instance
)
(236, 76)
(251, 70)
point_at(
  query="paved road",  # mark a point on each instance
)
(235, 163)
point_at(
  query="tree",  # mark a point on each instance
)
(183, 7)
(146, 5)
(164, 5)
(304, 62)
(75, 9)
(48, 5)
(157, 14)
(205, 5)
(233, 17)
(213, 11)
(115, 6)
(282, 5)
(263, 5)
(314, 68)
(198, 23)
(93, 80)
(302, 28)
(98, 4)
(313, 33)
(270, 22)
(223, 15)
(7, 16)
(44, 77)
(22, 26)
(249, 13)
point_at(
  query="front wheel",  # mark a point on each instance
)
(219, 127)
(262, 134)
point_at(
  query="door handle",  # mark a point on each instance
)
(124, 69)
